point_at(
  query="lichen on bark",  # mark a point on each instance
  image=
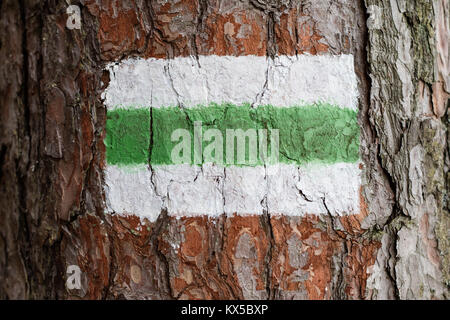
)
(413, 143)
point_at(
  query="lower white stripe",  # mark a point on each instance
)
(129, 191)
(186, 190)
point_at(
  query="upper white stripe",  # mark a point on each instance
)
(186, 81)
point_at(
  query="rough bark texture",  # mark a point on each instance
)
(408, 59)
(52, 155)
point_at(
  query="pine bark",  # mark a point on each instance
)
(52, 155)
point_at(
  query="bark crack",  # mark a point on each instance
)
(162, 224)
(266, 221)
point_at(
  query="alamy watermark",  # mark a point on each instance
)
(73, 281)
(74, 17)
(242, 147)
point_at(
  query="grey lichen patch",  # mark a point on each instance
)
(420, 17)
(435, 183)
(443, 237)
(400, 221)
(434, 164)
(246, 261)
(297, 258)
(374, 234)
(271, 5)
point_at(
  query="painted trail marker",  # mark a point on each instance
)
(308, 102)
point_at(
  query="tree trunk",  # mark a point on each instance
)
(52, 155)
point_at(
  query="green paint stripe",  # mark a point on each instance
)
(320, 133)
(127, 136)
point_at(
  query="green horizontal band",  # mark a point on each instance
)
(320, 133)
